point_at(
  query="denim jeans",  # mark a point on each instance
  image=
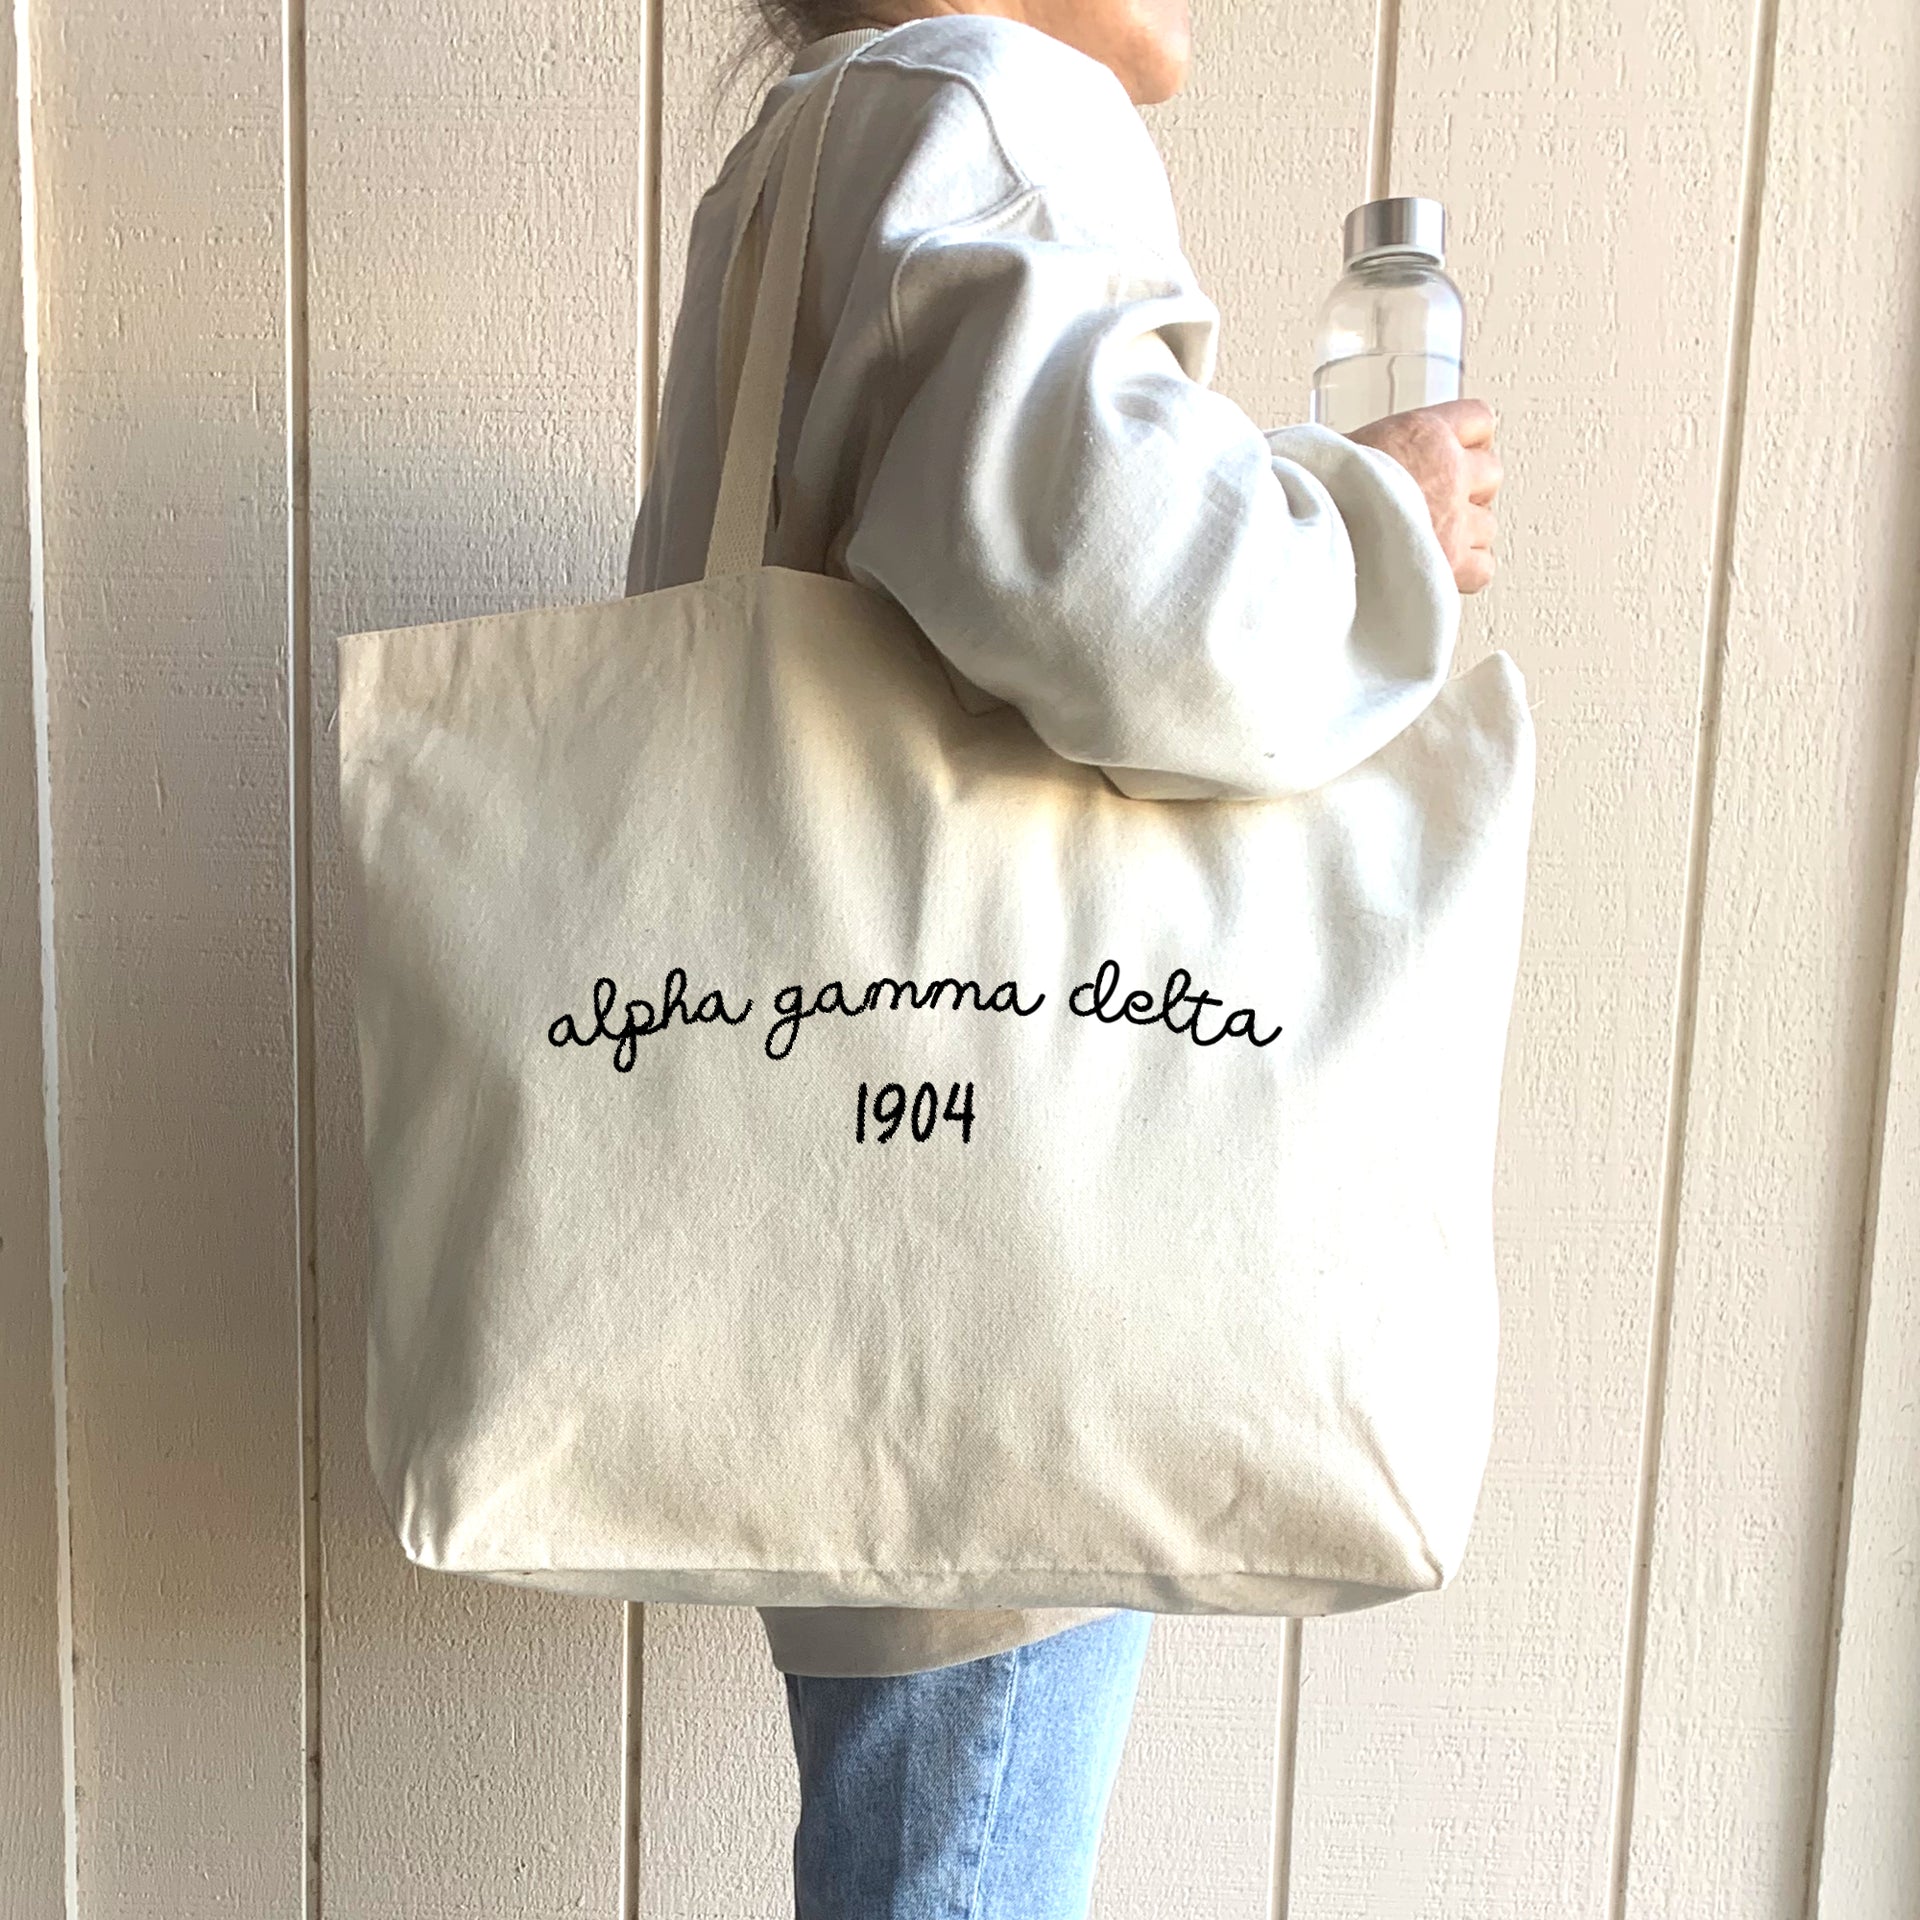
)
(974, 1791)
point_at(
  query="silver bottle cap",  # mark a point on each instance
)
(1404, 224)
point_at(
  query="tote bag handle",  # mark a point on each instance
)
(745, 253)
(738, 540)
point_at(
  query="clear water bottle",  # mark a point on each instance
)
(1391, 333)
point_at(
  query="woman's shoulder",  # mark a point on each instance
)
(1058, 117)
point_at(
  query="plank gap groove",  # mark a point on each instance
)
(1693, 913)
(646, 305)
(646, 399)
(299, 673)
(1286, 1758)
(1386, 68)
(1899, 892)
(42, 720)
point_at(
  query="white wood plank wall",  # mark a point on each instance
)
(320, 315)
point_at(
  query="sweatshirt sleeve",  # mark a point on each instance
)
(1083, 527)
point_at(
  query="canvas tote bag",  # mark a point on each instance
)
(802, 1168)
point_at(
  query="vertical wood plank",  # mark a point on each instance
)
(158, 156)
(1869, 1844)
(32, 1836)
(1809, 789)
(718, 1793)
(472, 217)
(1266, 151)
(1190, 1828)
(1457, 1752)
(648, 370)
(1266, 148)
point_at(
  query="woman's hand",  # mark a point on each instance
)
(1449, 450)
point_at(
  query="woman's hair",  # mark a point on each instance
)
(778, 29)
(792, 23)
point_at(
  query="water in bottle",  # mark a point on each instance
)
(1391, 333)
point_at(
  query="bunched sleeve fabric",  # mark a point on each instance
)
(1083, 527)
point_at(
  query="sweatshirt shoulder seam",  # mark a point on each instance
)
(985, 217)
(872, 57)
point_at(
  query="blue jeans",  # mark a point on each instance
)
(974, 1791)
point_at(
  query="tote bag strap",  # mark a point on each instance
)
(738, 541)
(744, 254)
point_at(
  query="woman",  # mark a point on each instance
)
(1000, 416)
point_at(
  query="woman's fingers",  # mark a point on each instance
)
(1470, 418)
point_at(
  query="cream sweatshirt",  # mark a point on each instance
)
(1000, 416)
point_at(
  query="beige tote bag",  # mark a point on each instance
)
(802, 1168)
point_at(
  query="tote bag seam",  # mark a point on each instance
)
(998, 1568)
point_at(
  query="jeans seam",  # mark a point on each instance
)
(993, 1792)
